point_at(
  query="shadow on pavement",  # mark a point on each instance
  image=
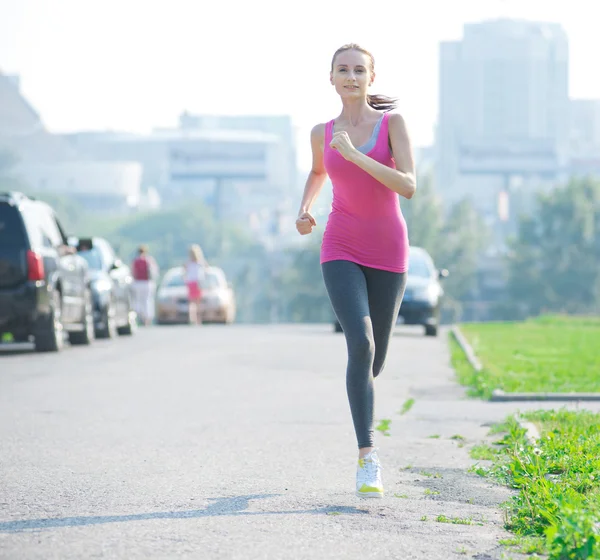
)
(221, 506)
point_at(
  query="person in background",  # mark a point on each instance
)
(195, 270)
(144, 271)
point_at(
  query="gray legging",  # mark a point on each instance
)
(366, 302)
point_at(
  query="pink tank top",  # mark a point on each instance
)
(366, 225)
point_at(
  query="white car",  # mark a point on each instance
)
(218, 298)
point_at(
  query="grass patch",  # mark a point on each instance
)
(406, 406)
(384, 426)
(557, 508)
(545, 354)
(454, 520)
(484, 452)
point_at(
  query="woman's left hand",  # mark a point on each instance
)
(342, 143)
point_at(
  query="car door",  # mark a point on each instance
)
(119, 274)
(73, 269)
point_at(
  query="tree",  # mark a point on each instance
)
(303, 287)
(455, 241)
(463, 238)
(553, 262)
(424, 216)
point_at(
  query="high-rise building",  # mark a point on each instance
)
(503, 110)
(585, 126)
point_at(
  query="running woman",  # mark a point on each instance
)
(366, 151)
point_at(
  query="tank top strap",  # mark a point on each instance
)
(384, 132)
(329, 132)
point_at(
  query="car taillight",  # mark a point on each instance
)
(35, 266)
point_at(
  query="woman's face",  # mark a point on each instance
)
(351, 74)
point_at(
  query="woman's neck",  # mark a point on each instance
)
(355, 112)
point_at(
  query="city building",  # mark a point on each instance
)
(584, 137)
(45, 162)
(503, 123)
(243, 167)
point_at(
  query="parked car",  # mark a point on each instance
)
(423, 294)
(44, 285)
(218, 298)
(111, 285)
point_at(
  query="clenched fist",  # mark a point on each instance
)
(305, 223)
(342, 143)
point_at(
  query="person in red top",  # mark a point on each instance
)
(144, 270)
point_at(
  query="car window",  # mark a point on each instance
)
(210, 281)
(12, 232)
(30, 215)
(52, 234)
(418, 266)
(93, 257)
(175, 280)
(108, 255)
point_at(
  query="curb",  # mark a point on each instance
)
(466, 348)
(500, 396)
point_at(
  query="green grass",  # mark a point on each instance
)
(406, 406)
(384, 426)
(556, 510)
(484, 452)
(547, 354)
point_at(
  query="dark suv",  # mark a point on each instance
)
(44, 284)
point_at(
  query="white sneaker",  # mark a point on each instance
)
(368, 477)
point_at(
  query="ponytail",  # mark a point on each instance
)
(382, 102)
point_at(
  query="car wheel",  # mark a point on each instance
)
(131, 326)
(52, 338)
(85, 336)
(110, 322)
(431, 330)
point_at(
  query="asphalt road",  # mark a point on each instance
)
(236, 442)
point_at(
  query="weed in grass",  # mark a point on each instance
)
(484, 452)
(557, 507)
(408, 404)
(454, 520)
(384, 426)
(524, 545)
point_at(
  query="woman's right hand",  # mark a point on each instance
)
(305, 223)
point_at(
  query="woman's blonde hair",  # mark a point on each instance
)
(196, 253)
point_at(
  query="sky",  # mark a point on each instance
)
(137, 64)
